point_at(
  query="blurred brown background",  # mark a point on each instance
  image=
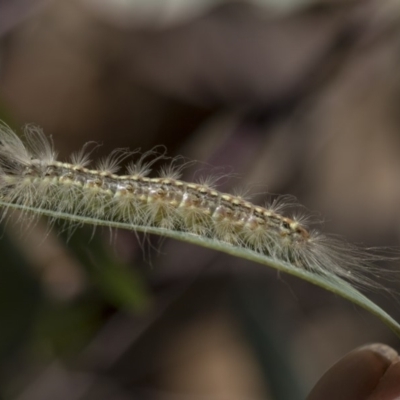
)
(296, 97)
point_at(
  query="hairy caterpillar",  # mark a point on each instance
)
(32, 180)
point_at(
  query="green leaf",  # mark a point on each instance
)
(327, 281)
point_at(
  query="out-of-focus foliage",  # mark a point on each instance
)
(154, 12)
(301, 102)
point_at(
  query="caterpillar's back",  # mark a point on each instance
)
(32, 178)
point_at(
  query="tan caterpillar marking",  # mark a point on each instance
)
(167, 192)
(30, 176)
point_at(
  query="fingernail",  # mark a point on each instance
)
(383, 350)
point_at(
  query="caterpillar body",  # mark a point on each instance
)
(33, 179)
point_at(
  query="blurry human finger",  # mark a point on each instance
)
(389, 386)
(360, 375)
